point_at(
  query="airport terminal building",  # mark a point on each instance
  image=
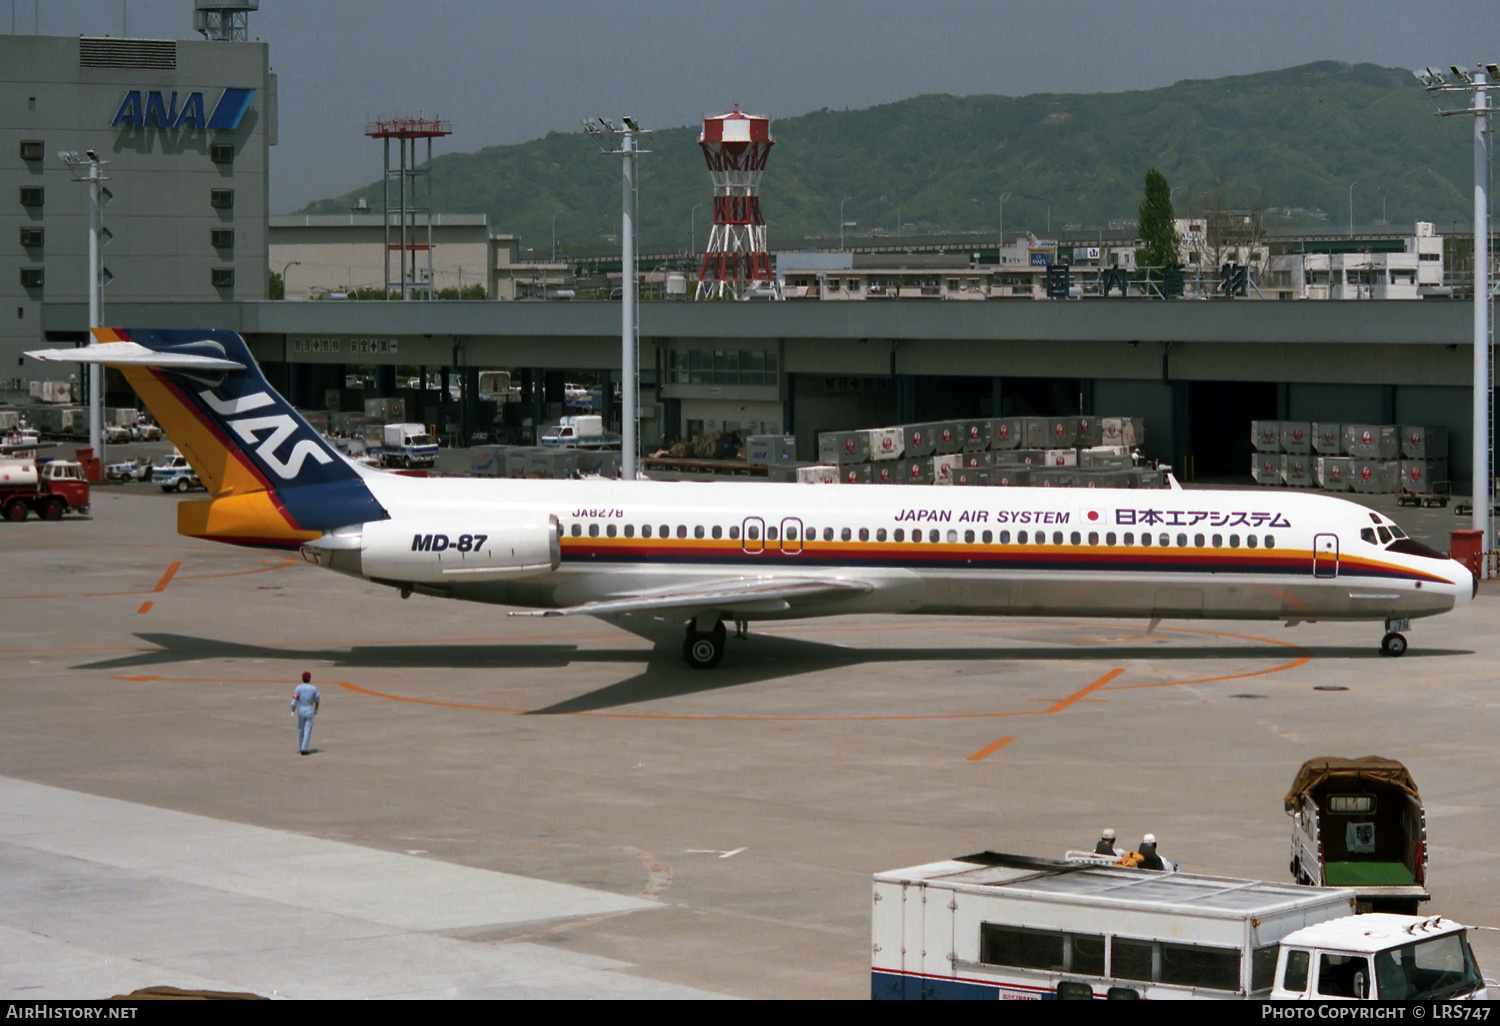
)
(187, 125)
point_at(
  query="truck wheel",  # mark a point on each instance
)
(182, 484)
(15, 510)
(53, 509)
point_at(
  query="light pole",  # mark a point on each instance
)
(1351, 208)
(1002, 218)
(287, 266)
(1479, 82)
(554, 233)
(90, 168)
(841, 222)
(629, 328)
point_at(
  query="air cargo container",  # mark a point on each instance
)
(818, 473)
(943, 467)
(1054, 458)
(764, 450)
(1127, 431)
(971, 476)
(857, 473)
(915, 471)
(1036, 433)
(1377, 477)
(1296, 437)
(1010, 477)
(1019, 458)
(1372, 441)
(1090, 432)
(976, 434)
(1105, 457)
(1335, 473)
(836, 447)
(1049, 477)
(977, 460)
(1265, 435)
(1424, 443)
(948, 437)
(920, 440)
(1327, 439)
(1420, 477)
(1061, 432)
(1297, 471)
(1007, 433)
(887, 443)
(1266, 469)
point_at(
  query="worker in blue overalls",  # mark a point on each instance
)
(305, 704)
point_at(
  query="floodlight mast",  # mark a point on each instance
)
(90, 169)
(630, 328)
(1479, 82)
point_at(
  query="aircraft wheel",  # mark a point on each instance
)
(1393, 645)
(703, 651)
(15, 510)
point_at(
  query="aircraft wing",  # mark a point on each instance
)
(731, 594)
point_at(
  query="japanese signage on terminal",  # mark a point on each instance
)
(360, 346)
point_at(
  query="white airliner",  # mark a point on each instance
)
(701, 554)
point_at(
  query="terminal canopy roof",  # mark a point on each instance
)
(1361, 772)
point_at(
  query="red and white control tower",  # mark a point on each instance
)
(736, 147)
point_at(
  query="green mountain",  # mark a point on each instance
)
(1293, 139)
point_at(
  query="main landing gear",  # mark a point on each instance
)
(704, 649)
(1394, 643)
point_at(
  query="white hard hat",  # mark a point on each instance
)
(1149, 839)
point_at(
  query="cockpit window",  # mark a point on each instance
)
(1367, 534)
(1397, 531)
(1412, 547)
(1375, 517)
(1385, 534)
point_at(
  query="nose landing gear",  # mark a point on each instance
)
(1394, 643)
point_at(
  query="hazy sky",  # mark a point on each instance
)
(508, 72)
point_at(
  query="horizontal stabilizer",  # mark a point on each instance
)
(133, 354)
(747, 593)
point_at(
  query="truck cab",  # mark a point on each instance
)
(174, 473)
(1379, 957)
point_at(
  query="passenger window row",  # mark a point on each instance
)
(1110, 538)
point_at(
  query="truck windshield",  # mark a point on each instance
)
(1430, 970)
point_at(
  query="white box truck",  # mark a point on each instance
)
(1013, 927)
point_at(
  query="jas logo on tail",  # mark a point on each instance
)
(275, 429)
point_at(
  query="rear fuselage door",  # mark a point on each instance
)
(1326, 555)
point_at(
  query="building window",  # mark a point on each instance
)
(31, 237)
(31, 149)
(31, 277)
(221, 199)
(32, 195)
(223, 238)
(221, 153)
(222, 277)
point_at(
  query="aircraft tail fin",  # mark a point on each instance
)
(274, 480)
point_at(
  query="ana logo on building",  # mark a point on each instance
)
(145, 108)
